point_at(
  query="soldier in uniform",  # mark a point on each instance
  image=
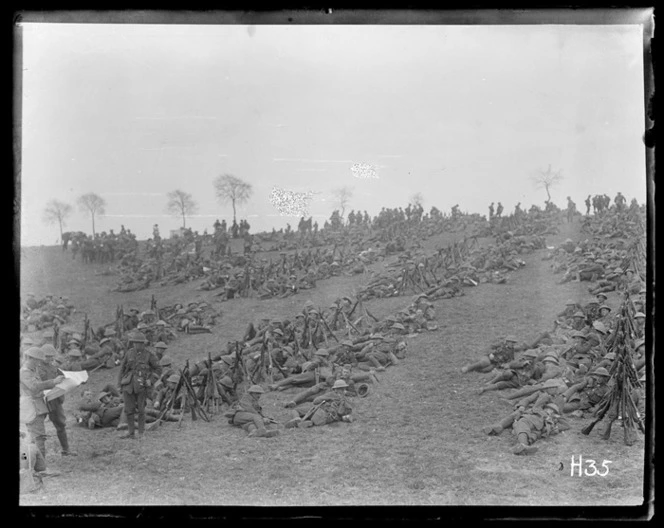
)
(33, 386)
(56, 413)
(313, 372)
(499, 354)
(248, 414)
(330, 407)
(134, 379)
(588, 392)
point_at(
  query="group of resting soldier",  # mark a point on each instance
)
(563, 371)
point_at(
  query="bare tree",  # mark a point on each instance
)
(181, 204)
(57, 211)
(417, 199)
(232, 189)
(94, 204)
(342, 197)
(547, 179)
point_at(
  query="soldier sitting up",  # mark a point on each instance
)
(248, 414)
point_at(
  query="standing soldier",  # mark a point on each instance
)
(588, 206)
(33, 386)
(491, 211)
(56, 413)
(499, 210)
(571, 210)
(134, 379)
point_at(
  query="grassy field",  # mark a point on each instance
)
(417, 438)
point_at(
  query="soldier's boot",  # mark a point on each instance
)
(141, 425)
(293, 422)
(522, 447)
(305, 424)
(290, 405)
(270, 433)
(255, 431)
(130, 428)
(373, 376)
(64, 442)
(492, 430)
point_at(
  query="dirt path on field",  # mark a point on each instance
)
(416, 440)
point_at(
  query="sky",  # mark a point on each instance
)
(461, 114)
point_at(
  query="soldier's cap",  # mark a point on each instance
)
(532, 353)
(511, 339)
(639, 315)
(103, 395)
(75, 352)
(340, 384)
(553, 407)
(398, 326)
(347, 342)
(109, 332)
(377, 335)
(602, 295)
(36, 353)
(600, 371)
(550, 359)
(27, 341)
(610, 355)
(226, 382)
(322, 352)
(181, 311)
(165, 361)
(161, 344)
(579, 314)
(173, 378)
(104, 340)
(257, 389)
(287, 349)
(643, 291)
(133, 310)
(278, 331)
(639, 342)
(593, 301)
(227, 359)
(579, 334)
(77, 337)
(299, 315)
(618, 270)
(61, 307)
(137, 337)
(141, 326)
(161, 323)
(49, 350)
(605, 307)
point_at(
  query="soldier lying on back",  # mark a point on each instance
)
(330, 407)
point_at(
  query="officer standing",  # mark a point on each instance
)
(136, 369)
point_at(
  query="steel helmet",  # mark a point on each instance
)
(553, 407)
(161, 344)
(226, 382)
(75, 352)
(340, 384)
(137, 337)
(638, 315)
(605, 307)
(322, 352)
(579, 314)
(173, 378)
(601, 371)
(639, 342)
(165, 361)
(36, 353)
(257, 389)
(48, 350)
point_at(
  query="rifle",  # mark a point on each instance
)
(311, 411)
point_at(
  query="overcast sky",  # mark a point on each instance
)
(462, 114)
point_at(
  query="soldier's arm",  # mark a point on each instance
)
(574, 388)
(32, 382)
(121, 371)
